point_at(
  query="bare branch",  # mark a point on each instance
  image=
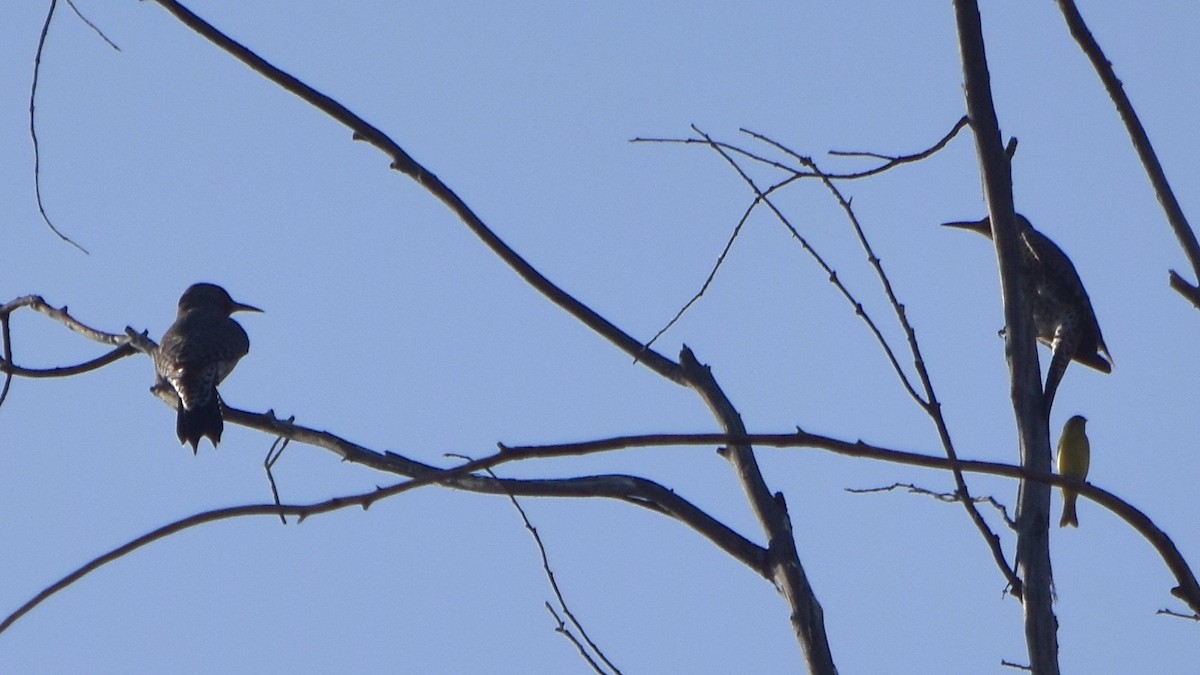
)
(1178, 615)
(808, 613)
(930, 403)
(6, 338)
(808, 619)
(889, 162)
(711, 275)
(1141, 143)
(637, 491)
(895, 161)
(401, 161)
(37, 173)
(561, 628)
(455, 477)
(562, 602)
(761, 196)
(9, 368)
(94, 27)
(61, 315)
(124, 345)
(1181, 286)
(1029, 406)
(947, 497)
(273, 454)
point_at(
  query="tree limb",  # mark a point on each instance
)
(1033, 501)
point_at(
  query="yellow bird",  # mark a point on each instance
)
(1074, 456)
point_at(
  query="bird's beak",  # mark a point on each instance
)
(983, 226)
(239, 307)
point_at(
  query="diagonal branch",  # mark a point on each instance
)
(930, 403)
(404, 163)
(761, 196)
(548, 571)
(1141, 144)
(808, 618)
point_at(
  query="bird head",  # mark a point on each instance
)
(211, 296)
(1077, 422)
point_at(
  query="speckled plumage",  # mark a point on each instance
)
(197, 352)
(1063, 317)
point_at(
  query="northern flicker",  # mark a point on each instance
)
(197, 352)
(1062, 313)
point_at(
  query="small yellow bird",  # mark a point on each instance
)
(1074, 456)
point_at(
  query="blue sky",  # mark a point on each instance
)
(388, 323)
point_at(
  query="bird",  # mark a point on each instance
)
(1074, 456)
(197, 352)
(1063, 317)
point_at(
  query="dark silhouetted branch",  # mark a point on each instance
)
(1141, 144)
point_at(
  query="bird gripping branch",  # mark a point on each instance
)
(1062, 312)
(197, 352)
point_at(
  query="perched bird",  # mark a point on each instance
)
(1074, 456)
(1062, 312)
(197, 352)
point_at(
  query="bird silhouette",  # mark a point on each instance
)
(197, 352)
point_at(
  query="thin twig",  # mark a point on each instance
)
(760, 195)
(929, 403)
(1179, 615)
(123, 343)
(890, 162)
(561, 628)
(947, 497)
(6, 337)
(549, 572)
(37, 173)
(9, 368)
(94, 27)
(273, 454)
(794, 175)
(711, 275)
(63, 316)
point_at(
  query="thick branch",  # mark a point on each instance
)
(631, 489)
(1033, 503)
(404, 163)
(808, 618)
(655, 497)
(1187, 589)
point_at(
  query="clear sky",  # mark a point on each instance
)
(389, 324)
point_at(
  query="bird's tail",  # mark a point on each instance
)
(200, 421)
(1069, 516)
